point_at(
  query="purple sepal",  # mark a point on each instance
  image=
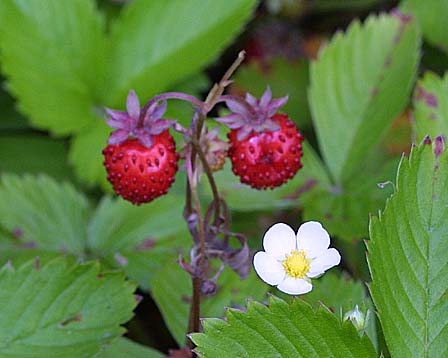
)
(133, 104)
(113, 123)
(252, 100)
(271, 126)
(160, 110)
(244, 132)
(118, 116)
(238, 261)
(250, 114)
(238, 107)
(266, 99)
(129, 124)
(276, 104)
(232, 121)
(118, 136)
(161, 125)
(145, 139)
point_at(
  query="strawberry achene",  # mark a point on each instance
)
(267, 159)
(139, 173)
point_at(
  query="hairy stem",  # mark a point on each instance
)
(195, 312)
(218, 89)
(175, 95)
(192, 192)
(209, 174)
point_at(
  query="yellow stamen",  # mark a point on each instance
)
(297, 265)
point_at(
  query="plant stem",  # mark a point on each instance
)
(196, 304)
(218, 89)
(195, 312)
(209, 174)
(192, 191)
(175, 95)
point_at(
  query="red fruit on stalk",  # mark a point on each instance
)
(141, 174)
(267, 159)
(140, 159)
(265, 147)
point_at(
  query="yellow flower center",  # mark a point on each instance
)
(297, 265)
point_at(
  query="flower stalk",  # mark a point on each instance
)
(195, 153)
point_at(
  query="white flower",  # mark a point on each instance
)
(289, 261)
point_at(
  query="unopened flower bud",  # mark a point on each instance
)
(209, 287)
(357, 317)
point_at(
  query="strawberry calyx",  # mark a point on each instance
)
(214, 148)
(137, 123)
(252, 115)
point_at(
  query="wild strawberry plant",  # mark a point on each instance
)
(269, 215)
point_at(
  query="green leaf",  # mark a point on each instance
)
(337, 292)
(51, 215)
(431, 106)
(125, 348)
(341, 294)
(174, 304)
(9, 118)
(48, 217)
(244, 198)
(432, 16)
(138, 239)
(407, 257)
(344, 210)
(51, 52)
(86, 153)
(72, 311)
(34, 154)
(343, 5)
(285, 78)
(280, 330)
(157, 43)
(360, 83)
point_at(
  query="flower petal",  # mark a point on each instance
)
(313, 239)
(268, 268)
(322, 263)
(279, 240)
(133, 104)
(295, 286)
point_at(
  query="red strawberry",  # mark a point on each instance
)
(141, 174)
(140, 159)
(265, 147)
(267, 159)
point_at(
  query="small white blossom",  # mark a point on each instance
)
(290, 261)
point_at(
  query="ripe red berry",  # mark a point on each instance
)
(139, 173)
(141, 159)
(267, 159)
